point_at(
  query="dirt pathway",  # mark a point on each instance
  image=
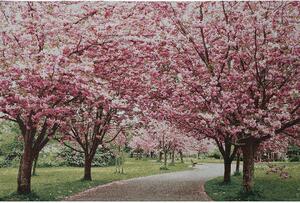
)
(184, 185)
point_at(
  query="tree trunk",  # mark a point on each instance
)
(87, 169)
(173, 157)
(165, 160)
(237, 167)
(151, 154)
(198, 155)
(181, 156)
(160, 156)
(248, 164)
(35, 164)
(24, 175)
(227, 171)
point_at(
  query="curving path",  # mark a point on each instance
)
(184, 185)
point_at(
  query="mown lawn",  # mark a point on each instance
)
(268, 187)
(58, 182)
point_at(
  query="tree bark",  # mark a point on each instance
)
(228, 157)
(181, 156)
(165, 159)
(173, 157)
(237, 167)
(151, 154)
(87, 169)
(35, 164)
(24, 175)
(160, 156)
(249, 150)
(227, 171)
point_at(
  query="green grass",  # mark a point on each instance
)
(268, 187)
(203, 160)
(58, 182)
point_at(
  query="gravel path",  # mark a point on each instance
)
(184, 185)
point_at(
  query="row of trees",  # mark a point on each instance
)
(162, 138)
(81, 72)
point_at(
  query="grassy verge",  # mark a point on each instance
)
(59, 182)
(268, 187)
(203, 160)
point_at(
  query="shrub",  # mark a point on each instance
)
(293, 153)
(294, 158)
(73, 158)
(10, 145)
(163, 168)
(215, 154)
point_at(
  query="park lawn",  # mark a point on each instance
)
(58, 182)
(203, 160)
(268, 187)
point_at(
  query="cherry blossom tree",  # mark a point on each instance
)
(36, 92)
(45, 47)
(237, 62)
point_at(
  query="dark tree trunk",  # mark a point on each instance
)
(87, 169)
(237, 167)
(198, 155)
(173, 157)
(35, 164)
(170, 155)
(181, 156)
(228, 157)
(160, 156)
(249, 150)
(24, 175)
(165, 159)
(227, 171)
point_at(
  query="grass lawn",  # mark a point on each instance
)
(268, 187)
(58, 182)
(203, 160)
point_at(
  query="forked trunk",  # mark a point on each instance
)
(248, 164)
(24, 175)
(87, 169)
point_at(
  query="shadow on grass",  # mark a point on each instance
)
(255, 195)
(15, 196)
(232, 191)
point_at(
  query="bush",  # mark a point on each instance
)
(294, 158)
(49, 156)
(11, 146)
(215, 154)
(237, 173)
(163, 168)
(73, 158)
(293, 153)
